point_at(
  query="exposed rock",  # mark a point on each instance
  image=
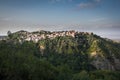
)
(102, 64)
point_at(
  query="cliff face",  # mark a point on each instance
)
(102, 53)
(102, 63)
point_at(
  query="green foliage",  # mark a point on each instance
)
(65, 72)
(83, 75)
(61, 58)
(105, 75)
(17, 62)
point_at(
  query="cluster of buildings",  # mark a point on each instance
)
(36, 36)
(39, 35)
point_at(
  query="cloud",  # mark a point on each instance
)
(98, 19)
(97, 0)
(90, 4)
(54, 1)
(85, 5)
(57, 0)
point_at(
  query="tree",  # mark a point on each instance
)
(9, 34)
(83, 75)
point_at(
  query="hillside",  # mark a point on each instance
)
(62, 55)
(105, 51)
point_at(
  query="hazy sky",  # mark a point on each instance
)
(99, 16)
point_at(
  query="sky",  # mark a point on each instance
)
(101, 17)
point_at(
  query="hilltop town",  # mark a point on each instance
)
(39, 35)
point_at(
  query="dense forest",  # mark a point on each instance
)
(61, 58)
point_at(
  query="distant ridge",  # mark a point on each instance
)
(3, 37)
